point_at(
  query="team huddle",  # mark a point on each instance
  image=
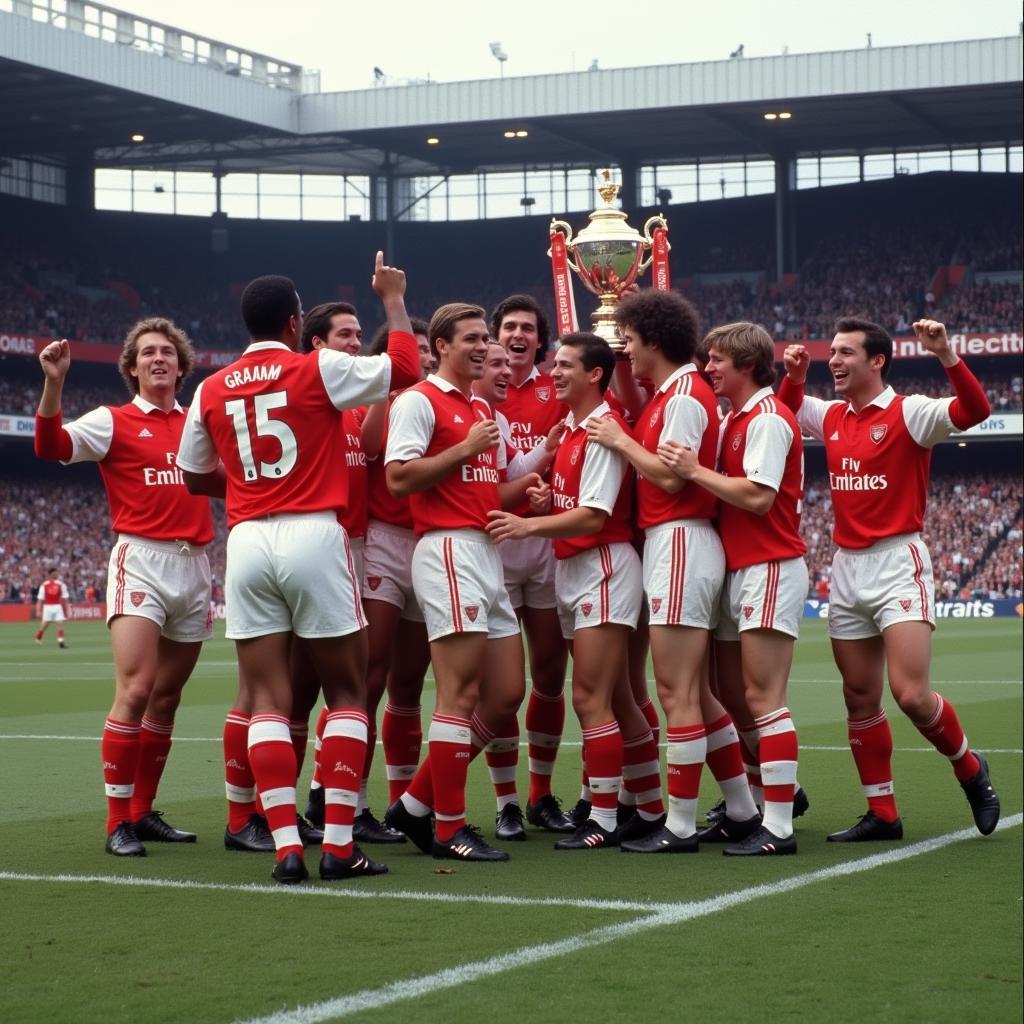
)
(429, 503)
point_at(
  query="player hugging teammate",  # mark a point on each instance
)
(432, 500)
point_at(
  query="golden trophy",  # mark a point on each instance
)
(608, 256)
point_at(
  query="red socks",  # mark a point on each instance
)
(871, 746)
(944, 733)
(602, 757)
(119, 751)
(402, 736)
(450, 751)
(687, 750)
(779, 754)
(154, 747)
(341, 765)
(641, 774)
(272, 758)
(545, 721)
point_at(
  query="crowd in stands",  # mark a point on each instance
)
(885, 267)
(973, 529)
(65, 524)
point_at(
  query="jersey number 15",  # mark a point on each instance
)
(265, 427)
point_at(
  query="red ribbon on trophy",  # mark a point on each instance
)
(659, 259)
(565, 303)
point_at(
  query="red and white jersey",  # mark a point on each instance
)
(355, 517)
(424, 421)
(512, 462)
(878, 461)
(586, 475)
(273, 417)
(53, 592)
(683, 409)
(762, 442)
(532, 410)
(136, 447)
(384, 506)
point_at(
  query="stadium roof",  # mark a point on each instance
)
(70, 96)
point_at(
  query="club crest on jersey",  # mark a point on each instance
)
(654, 418)
(576, 453)
(137, 597)
(472, 610)
(736, 442)
(878, 431)
(373, 582)
(543, 394)
(586, 607)
(905, 605)
(655, 605)
(748, 610)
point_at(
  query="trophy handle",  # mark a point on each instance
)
(656, 221)
(566, 229)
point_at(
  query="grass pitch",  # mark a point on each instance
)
(924, 930)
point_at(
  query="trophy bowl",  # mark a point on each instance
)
(608, 256)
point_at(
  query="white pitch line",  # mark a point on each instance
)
(321, 891)
(523, 745)
(453, 977)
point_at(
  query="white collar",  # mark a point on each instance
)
(147, 406)
(757, 396)
(600, 410)
(675, 375)
(883, 399)
(263, 346)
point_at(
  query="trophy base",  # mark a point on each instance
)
(604, 326)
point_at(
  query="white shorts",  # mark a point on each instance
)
(769, 595)
(291, 572)
(684, 569)
(876, 587)
(53, 613)
(460, 585)
(387, 568)
(529, 572)
(597, 586)
(167, 582)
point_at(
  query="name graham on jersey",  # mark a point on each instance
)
(163, 477)
(249, 374)
(852, 479)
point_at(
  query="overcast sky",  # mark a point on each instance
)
(449, 41)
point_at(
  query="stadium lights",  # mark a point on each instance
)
(782, 115)
(433, 140)
(138, 137)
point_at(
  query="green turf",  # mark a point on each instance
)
(936, 937)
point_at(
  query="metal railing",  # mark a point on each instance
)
(123, 29)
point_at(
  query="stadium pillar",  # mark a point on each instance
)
(382, 204)
(80, 190)
(785, 215)
(629, 193)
